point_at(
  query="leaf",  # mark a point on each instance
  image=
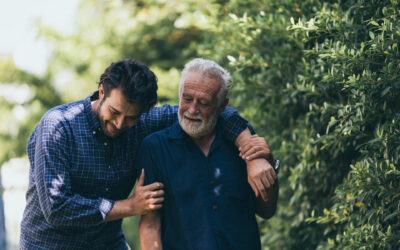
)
(231, 58)
(391, 216)
(385, 91)
(372, 35)
(374, 23)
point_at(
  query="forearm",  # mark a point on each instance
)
(267, 208)
(150, 231)
(74, 211)
(120, 210)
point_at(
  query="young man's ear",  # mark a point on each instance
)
(101, 91)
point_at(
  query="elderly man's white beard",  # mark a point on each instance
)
(197, 129)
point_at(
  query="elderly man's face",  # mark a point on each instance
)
(198, 105)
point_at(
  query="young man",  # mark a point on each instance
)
(82, 158)
(208, 202)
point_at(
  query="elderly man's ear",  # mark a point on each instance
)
(223, 106)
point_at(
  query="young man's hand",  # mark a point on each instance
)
(146, 198)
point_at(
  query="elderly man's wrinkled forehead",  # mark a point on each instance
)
(201, 76)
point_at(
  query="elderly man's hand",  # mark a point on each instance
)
(257, 154)
(256, 147)
(261, 176)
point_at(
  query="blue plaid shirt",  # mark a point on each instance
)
(77, 173)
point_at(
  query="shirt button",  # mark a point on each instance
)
(109, 166)
(107, 189)
(94, 132)
(214, 207)
(105, 144)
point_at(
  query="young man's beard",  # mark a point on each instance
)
(101, 120)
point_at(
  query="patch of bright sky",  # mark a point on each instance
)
(18, 34)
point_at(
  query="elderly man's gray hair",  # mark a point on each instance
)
(212, 70)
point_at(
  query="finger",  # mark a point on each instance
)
(255, 141)
(251, 152)
(270, 178)
(158, 193)
(255, 155)
(261, 189)
(155, 206)
(157, 200)
(246, 146)
(260, 152)
(154, 186)
(141, 178)
(273, 174)
(265, 181)
(253, 186)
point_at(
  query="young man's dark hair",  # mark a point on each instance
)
(137, 82)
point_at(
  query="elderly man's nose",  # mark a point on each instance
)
(193, 109)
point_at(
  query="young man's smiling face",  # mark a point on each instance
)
(115, 113)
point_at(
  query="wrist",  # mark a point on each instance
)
(129, 208)
(271, 160)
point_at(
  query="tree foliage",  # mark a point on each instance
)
(321, 79)
(18, 116)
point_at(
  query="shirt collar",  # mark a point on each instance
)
(92, 119)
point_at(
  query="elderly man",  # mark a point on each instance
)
(208, 203)
(82, 157)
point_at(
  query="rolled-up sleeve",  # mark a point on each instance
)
(60, 206)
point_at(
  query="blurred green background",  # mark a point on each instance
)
(319, 79)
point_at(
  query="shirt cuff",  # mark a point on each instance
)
(105, 207)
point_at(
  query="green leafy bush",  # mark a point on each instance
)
(322, 80)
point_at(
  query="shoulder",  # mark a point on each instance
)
(165, 109)
(63, 116)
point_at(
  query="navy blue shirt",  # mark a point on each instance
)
(208, 201)
(76, 174)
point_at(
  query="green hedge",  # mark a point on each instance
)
(322, 80)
